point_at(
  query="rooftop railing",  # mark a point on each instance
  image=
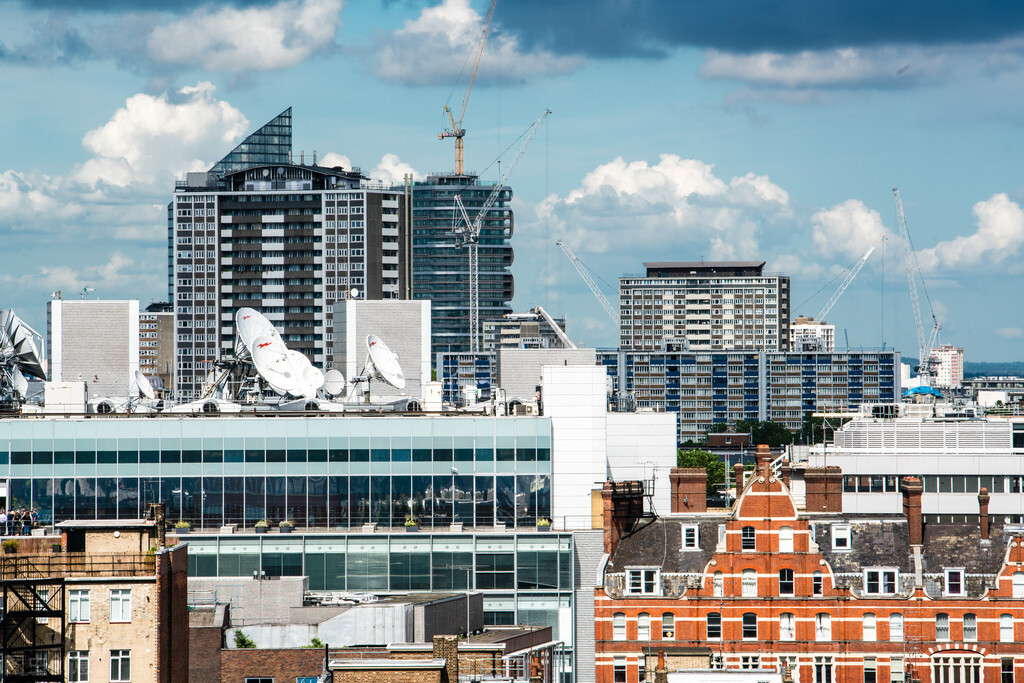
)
(68, 565)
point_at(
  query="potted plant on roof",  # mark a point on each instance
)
(286, 526)
(181, 527)
(543, 524)
(10, 546)
(412, 525)
(261, 526)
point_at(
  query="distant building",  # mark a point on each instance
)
(156, 343)
(521, 331)
(808, 334)
(704, 306)
(948, 365)
(94, 341)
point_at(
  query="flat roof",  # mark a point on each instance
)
(380, 663)
(105, 524)
(697, 265)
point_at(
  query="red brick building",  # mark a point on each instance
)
(800, 587)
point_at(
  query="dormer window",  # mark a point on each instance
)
(842, 538)
(690, 537)
(881, 581)
(955, 582)
(642, 581)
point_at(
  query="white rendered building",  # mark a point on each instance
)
(808, 334)
(948, 362)
(94, 341)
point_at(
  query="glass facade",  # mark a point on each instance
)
(271, 144)
(323, 472)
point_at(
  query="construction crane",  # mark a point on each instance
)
(582, 270)
(849, 278)
(457, 131)
(559, 332)
(913, 270)
(467, 233)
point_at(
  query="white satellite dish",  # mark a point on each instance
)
(251, 324)
(145, 388)
(385, 362)
(20, 337)
(353, 293)
(313, 377)
(270, 356)
(334, 382)
(20, 383)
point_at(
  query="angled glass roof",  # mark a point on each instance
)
(271, 144)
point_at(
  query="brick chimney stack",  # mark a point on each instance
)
(622, 503)
(823, 489)
(912, 489)
(738, 471)
(764, 460)
(983, 499)
(661, 673)
(689, 489)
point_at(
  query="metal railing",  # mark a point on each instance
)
(20, 566)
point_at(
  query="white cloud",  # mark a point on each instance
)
(1010, 332)
(116, 274)
(847, 230)
(250, 39)
(998, 238)
(390, 170)
(675, 204)
(432, 49)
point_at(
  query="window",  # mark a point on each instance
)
(120, 665)
(881, 581)
(618, 626)
(748, 584)
(749, 538)
(43, 603)
(78, 666)
(941, 626)
(870, 670)
(1018, 584)
(714, 621)
(1006, 628)
(261, 679)
(750, 662)
(787, 626)
(307, 679)
(749, 626)
(642, 581)
(1006, 670)
(643, 626)
(786, 539)
(954, 582)
(841, 537)
(78, 606)
(120, 605)
(668, 626)
(970, 627)
(870, 627)
(690, 537)
(618, 670)
(823, 626)
(786, 582)
(896, 627)
(817, 583)
(896, 670)
(960, 668)
(822, 670)
(719, 585)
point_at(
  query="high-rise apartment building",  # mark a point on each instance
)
(441, 268)
(704, 306)
(808, 334)
(286, 239)
(948, 364)
(156, 343)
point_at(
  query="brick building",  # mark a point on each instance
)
(780, 584)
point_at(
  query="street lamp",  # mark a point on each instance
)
(181, 501)
(469, 585)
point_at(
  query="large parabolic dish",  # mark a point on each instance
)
(385, 362)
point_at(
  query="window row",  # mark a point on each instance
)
(120, 666)
(80, 605)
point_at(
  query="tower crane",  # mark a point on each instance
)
(848, 279)
(467, 233)
(457, 131)
(582, 270)
(913, 270)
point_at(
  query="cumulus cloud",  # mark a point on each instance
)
(674, 204)
(390, 170)
(847, 230)
(997, 240)
(118, 272)
(443, 35)
(1010, 333)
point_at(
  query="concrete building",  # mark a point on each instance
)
(704, 306)
(521, 331)
(93, 341)
(808, 334)
(441, 269)
(287, 239)
(156, 343)
(948, 364)
(812, 592)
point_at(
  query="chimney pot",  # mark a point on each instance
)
(983, 499)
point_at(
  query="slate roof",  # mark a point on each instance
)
(659, 542)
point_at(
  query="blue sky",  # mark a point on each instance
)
(748, 129)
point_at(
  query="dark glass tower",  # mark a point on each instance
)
(271, 144)
(441, 269)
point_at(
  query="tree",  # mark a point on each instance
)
(709, 462)
(316, 643)
(770, 433)
(242, 641)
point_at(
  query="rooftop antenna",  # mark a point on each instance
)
(87, 290)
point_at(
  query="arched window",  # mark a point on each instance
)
(1006, 628)
(719, 584)
(786, 582)
(823, 626)
(870, 628)
(970, 627)
(749, 538)
(618, 626)
(941, 626)
(714, 621)
(787, 626)
(896, 627)
(786, 539)
(668, 626)
(817, 583)
(749, 626)
(1018, 584)
(748, 583)
(643, 626)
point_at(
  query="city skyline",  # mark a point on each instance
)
(679, 133)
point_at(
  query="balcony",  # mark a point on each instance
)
(41, 566)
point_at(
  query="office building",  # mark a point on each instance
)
(94, 341)
(809, 591)
(156, 344)
(441, 268)
(808, 334)
(704, 306)
(287, 239)
(948, 366)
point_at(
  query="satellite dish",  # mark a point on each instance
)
(20, 383)
(353, 293)
(251, 324)
(385, 361)
(313, 377)
(280, 170)
(266, 172)
(334, 382)
(145, 388)
(270, 356)
(300, 368)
